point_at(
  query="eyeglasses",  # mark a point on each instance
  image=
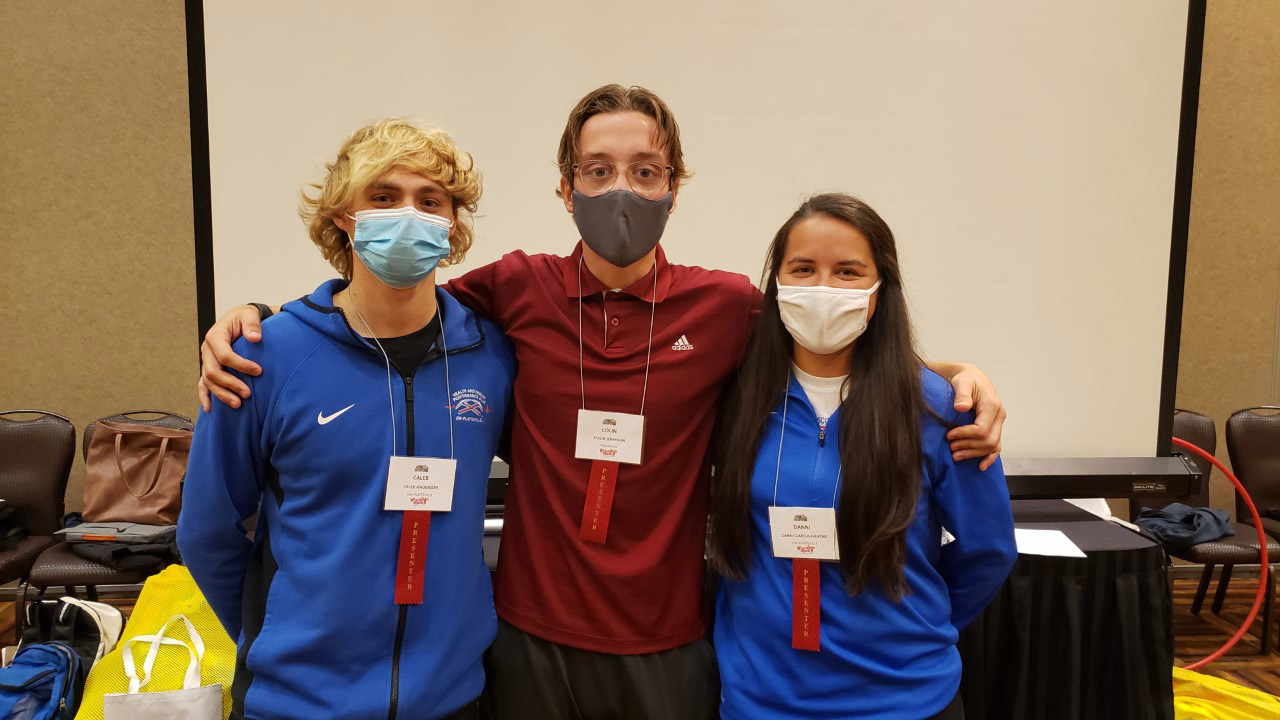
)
(596, 177)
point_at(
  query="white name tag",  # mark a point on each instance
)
(616, 437)
(804, 532)
(420, 483)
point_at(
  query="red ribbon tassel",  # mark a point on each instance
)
(806, 596)
(595, 514)
(411, 562)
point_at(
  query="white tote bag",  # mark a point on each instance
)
(192, 702)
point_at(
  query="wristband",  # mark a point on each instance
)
(264, 311)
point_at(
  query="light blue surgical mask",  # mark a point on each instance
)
(401, 246)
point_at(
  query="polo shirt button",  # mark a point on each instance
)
(614, 322)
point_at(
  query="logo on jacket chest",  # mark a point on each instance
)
(469, 405)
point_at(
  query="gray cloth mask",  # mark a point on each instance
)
(620, 226)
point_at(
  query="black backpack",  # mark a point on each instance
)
(70, 623)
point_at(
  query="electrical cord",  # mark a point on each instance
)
(1263, 559)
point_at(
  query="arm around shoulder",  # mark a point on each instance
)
(973, 505)
(482, 289)
(225, 476)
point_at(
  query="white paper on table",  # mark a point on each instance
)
(1125, 523)
(1099, 507)
(1053, 543)
(1096, 506)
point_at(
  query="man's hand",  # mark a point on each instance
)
(974, 391)
(215, 352)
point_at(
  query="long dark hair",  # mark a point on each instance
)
(879, 432)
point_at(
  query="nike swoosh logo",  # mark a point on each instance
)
(320, 418)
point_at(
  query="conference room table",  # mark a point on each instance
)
(1070, 638)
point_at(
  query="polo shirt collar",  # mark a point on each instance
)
(642, 288)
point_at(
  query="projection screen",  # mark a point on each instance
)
(1023, 153)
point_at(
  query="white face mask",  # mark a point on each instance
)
(824, 319)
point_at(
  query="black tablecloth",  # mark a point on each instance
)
(1075, 638)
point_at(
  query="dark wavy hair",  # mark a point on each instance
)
(616, 98)
(879, 433)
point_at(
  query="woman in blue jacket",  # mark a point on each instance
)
(853, 547)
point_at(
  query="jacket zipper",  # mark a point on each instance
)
(409, 450)
(404, 609)
(822, 443)
(73, 662)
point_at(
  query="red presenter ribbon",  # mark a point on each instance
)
(411, 562)
(805, 604)
(595, 514)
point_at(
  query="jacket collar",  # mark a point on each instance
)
(461, 330)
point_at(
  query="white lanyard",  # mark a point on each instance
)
(804, 531)
(582, 381)
(390, 397)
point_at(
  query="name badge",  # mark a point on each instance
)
(610, 436)
(804, 532)
(420, 483)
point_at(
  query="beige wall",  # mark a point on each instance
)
(96, 252)
(96, 267)
(1230, 356)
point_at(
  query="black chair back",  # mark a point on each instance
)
(1200, 431)
(156, 418)
(1253, 443)
(35, 461)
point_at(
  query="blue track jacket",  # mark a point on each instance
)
(878, 659)
(310, 598)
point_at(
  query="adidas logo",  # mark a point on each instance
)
(682, 344)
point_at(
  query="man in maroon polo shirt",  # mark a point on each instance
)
(600, 580)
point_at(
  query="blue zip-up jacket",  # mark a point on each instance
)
(879, 659)
(311, 598)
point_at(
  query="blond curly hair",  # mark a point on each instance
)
(367, 155)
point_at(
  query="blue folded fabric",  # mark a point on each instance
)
(1178, 526)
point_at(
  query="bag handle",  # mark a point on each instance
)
(141, 429)
(196, 640)
(135, 686)
(192, 678)
(164, 447)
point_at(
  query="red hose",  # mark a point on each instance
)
(1260, 595)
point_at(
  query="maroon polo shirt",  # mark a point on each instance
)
(642, 590)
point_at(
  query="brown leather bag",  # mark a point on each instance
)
(133, 473)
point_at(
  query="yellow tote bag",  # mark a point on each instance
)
(172, 592)
(1203, 697)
